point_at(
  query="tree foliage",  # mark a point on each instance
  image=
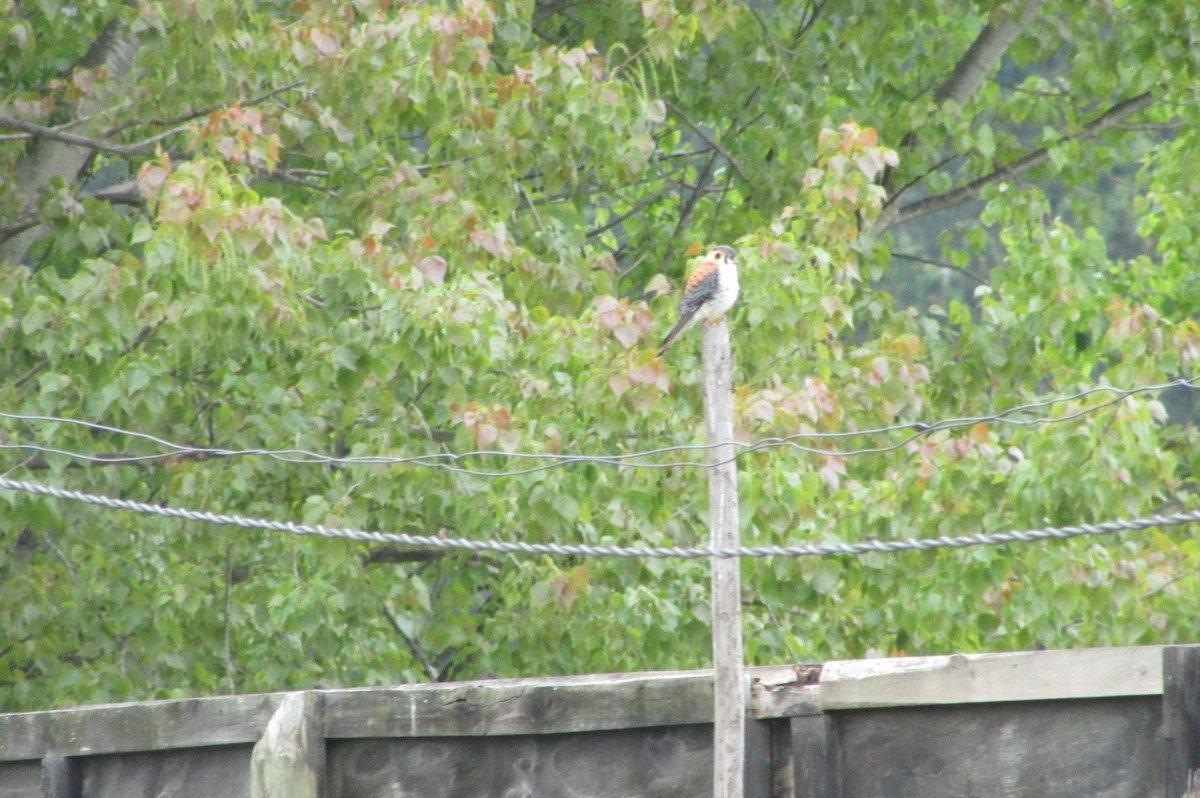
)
(374, 228)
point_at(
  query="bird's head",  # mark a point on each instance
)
(722, 254)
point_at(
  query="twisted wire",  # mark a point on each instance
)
(587, 550)
(449, 461)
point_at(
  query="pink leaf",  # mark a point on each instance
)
(658, 285)
(830, 477)
(485, 435)
(762, 410)
(434, 267)
(644, 375)
(627, 334)
(150, 180)
(326, 44)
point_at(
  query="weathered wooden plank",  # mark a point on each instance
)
(521, 706)
(289, 760)
(143, 726)
(784, 692)
(1181, 717)
(757, 783)
(816, 757)
(649, 763)
(1101, 748)
(61, 777)
(194, 773)
(783, 779)
(976, 678)
(585, 703)
(21, 779)
(511, 706)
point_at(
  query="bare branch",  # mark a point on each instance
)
(707, 138)
(413, 647)
(689, 205)
(50, 156)
(230, 669)
(637, 208)
(985, 53)
(396, 554)
(289, 177)
(177, 125)
(63, 137)
(123, 193)
(193, 115)
(1109, 119)
(307, 172)
(27, 223)
(971, 71)
(941, 265)
(1152, 127)
(29, 375)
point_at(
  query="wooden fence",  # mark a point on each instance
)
(1117, 723)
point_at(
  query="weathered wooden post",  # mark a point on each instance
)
(729, 678)
(289, 760)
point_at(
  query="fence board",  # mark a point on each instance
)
(783, 779)
(650, 763)
(61, 777)
(816, 760)
(757, 773)
(1105, 722)
(522, 706)
(976, 678)
(21, 779)
(1181, 716)
(784, 692)
(191, 773)
(1105, 748)
(142, 726)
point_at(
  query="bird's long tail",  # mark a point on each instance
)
(674, 333)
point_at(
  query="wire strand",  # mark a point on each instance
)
(449, 461)
(585, 550)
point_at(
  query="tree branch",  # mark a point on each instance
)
(63, 137)
(1032, 160)
(689, 205)
(50, 156)
(230, 668)
(123, 193)
(969, 74)
(193, 115)
(941, 265)
(417, 652)
(395, 554)
(637, 208)
(56, 148)
(707, 139)
(984, 54)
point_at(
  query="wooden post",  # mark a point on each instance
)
(289, 760)
(1181, 719)
(61, 777)
(729, 679)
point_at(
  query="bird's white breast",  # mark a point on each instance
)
(726, 295)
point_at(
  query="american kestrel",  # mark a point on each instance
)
(709, 293)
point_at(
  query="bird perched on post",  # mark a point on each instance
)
(709, 293)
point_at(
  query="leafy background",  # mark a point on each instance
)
(375, 228)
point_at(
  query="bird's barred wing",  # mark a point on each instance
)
(700, 288)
